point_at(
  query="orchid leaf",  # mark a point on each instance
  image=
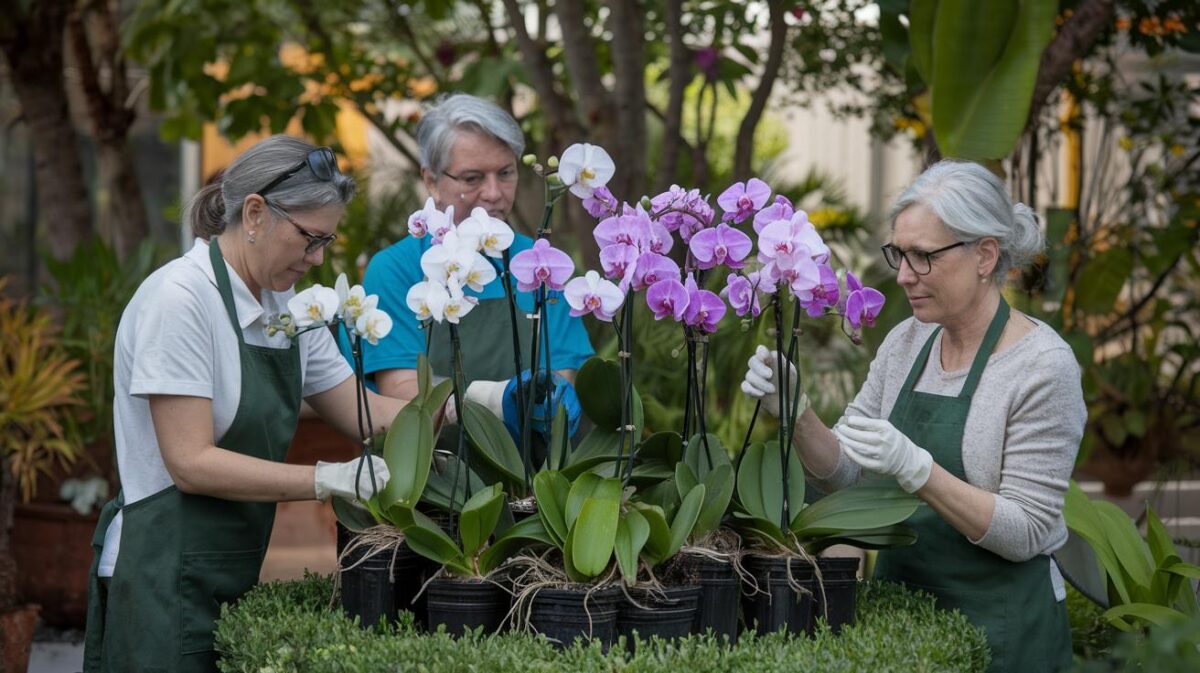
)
(899, 535)
(718, 491)
(551, 490)
(478, 519)
(703, 460)
(489, 436)
(428, 539)
(526, 533)
(765, 530)
(685, 518)
(658, 544)
(354, 518)
(586, 486)
(663, 495)
(759, 489)
(592, 538)
(598, 446)
(632, 533)
(408, 451)
(424, 378)
(862, 507)
(558, 437)
(598, 384)
(450, 478)
(666, 447)
(685, 479)
(438, 396)
(650, 473)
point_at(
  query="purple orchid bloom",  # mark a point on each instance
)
(742, 295)
(780, 210)
(541, 264)
(743, 198)
(668, 298)
(797, 270)
(619, 261)
(824, 293)
(720, 245)
(863, 304)
(704, 309)
(592, 294)
(629, 229)
(601, 203)
(794, 236)
(651, 268)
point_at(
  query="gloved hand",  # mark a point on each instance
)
(760, 381)
(488, 393)
(561, 392)
(340, 479)
(878, 446)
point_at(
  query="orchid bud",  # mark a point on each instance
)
(646, 204)
(529, 159)
(674, 353)
(552, 162)
(553, 180)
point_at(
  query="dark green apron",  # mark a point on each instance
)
(1014, 602)
(183, 555)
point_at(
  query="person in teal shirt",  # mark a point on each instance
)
(470, 152)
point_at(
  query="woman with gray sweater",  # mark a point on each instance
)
(975, 408)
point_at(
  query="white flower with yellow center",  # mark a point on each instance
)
(585, 167)
(316, 304)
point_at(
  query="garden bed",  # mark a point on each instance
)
(289, 626)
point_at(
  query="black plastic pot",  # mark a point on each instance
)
(562, 615)
(367, 587)
(840, 579)
(717, 608)
(462, 604)
(777, 606)
(668, 613)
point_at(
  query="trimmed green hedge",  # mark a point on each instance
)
(288, 626)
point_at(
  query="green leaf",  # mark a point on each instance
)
(438, 489)
(685, 518)
(1157, 615)
(685, 479)
(408, 451)
(491, 439)
(921, 17)
(632, 533)
(597, 447)
(985, 59)
(766, 531)
(1106, 275)
(425, 378)
(718, 491)
(702, 462)
(355, 518)
(759, 488)
(1126, 543)
(428, 539)
(666, 447)
(593, 536)
(550, 490)
(663, 495)
(528, 532)
(1083, 519)
(899, 535)
(862, 507)
(478, 519)
(658, 543)
(598, 384)
(586, 486)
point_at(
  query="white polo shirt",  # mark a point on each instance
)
(174, 338)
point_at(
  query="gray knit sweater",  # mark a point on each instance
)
(1021, 436)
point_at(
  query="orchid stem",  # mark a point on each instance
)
(463, 457)
(784, 433)
(516, 342)
(627, 324)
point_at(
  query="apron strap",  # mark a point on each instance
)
(224, 287)
(990, 339)
(918, 368)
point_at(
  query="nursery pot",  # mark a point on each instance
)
(378, 587)
(667, 613)
(839, 576)
(778, 605)
(562, 615)
(717, 608)
(462, 604)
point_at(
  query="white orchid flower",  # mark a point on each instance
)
(352, 301)
(458, 304)
(496, 236)
(480, 273)
(373, 325)
(441, 262)
(427, 300)
(467, 234)
(585, 167)
(316, 304)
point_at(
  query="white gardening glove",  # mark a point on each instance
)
(340, 479)
(488, 393)
(760, 380)
(878, 446)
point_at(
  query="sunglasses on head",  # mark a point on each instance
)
(321, 161)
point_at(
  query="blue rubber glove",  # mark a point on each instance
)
(561, 392)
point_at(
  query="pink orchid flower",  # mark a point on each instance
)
(601, 203)
(780, 210)
(542, 264)
(743, 198)
(824, 293)
(630, 229)
(668, 299)
(720, 245)
(742, 295)
(863, 304)
(619, 261)
(651, 268)
(592, 294)
(704, 310)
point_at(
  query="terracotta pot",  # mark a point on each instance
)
(16, 637)
(52, 544)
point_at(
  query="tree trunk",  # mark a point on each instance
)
(629, 136)
(8, 565)
(33, 45)
(123, 222)
(744, 150)
(678, 75)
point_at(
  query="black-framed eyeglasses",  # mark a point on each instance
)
(474, 180)
(919, 261)
(315, 242)
(321, 161)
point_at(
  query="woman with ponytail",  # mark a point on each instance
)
(972, 406)
(205, 407)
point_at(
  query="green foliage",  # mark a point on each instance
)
(1149, 585)
(289, 626)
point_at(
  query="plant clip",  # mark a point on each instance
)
(625, 354)
(797, 332)
(631, 427)
(532, 316)
(771, 331)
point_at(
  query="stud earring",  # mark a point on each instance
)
(251, 238)
(462, 196)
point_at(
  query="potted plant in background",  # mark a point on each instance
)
(40, 388)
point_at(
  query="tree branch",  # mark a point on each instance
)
(627, 28)
(579, 52)
(758, 102)
(678, 75)
(1073, 41)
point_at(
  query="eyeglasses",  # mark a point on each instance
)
(919, 261)
(315, 242)
(474, 180)
(321, 161)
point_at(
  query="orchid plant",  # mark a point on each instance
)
(357, 315)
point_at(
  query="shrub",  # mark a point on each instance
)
(289, 626)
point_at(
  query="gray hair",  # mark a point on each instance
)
(440, 126)
(973, 203)
(219, 204)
